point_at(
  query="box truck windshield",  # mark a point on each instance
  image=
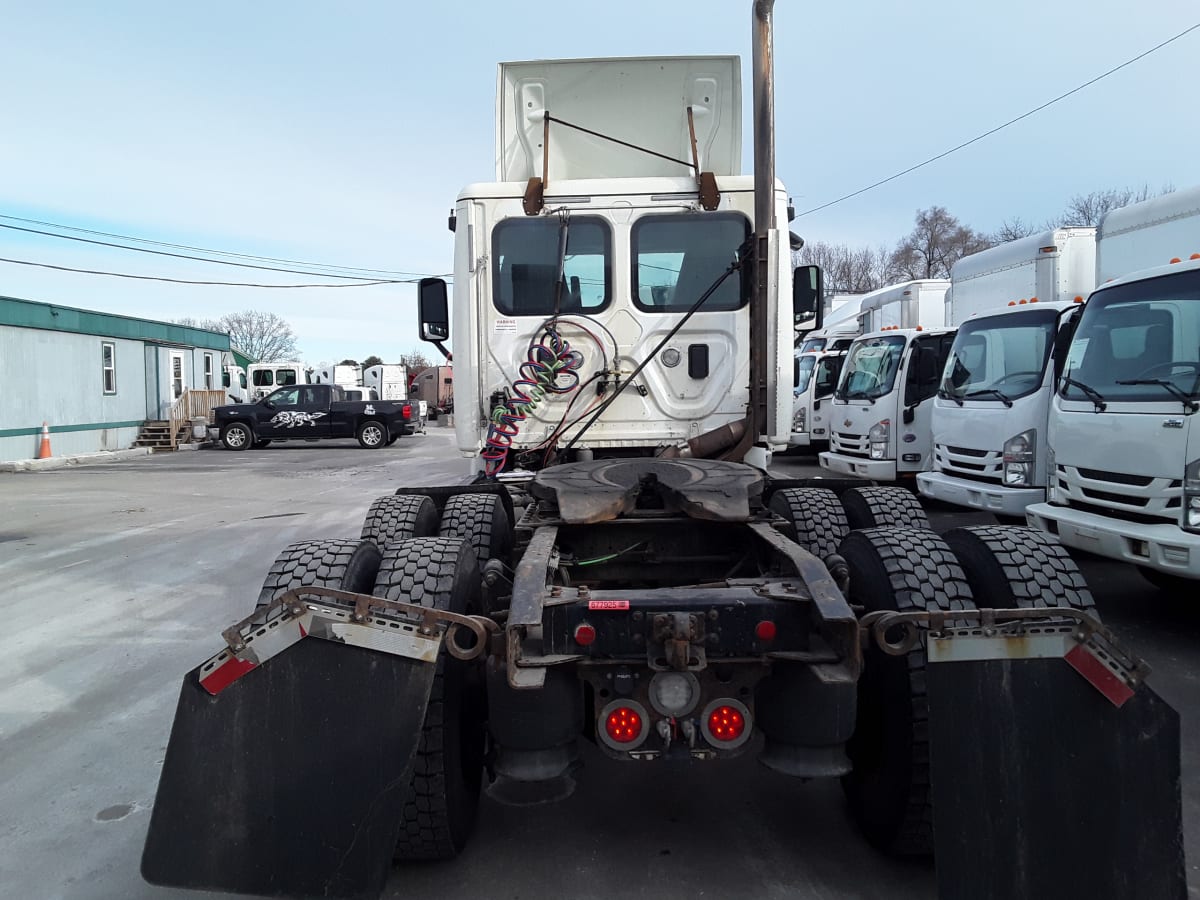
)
(1139, 342)
(871, 367)
(1001, 357)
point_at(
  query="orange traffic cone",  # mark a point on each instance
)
(44, 450)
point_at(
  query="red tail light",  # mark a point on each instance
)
(406, 411)
(765, 630)
(585, 634)
(624, 725)
(726, 723)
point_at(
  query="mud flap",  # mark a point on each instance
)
(290, 781)
(1052, 779)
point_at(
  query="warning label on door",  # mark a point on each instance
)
(505, 326)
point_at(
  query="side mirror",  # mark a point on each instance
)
(795, 372)
(807, 297)
(433, 310)
(269, 404)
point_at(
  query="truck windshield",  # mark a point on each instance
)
(1139, 341)
(525, 266)
(677, 257)
(812, 344)
(1000, 355)
(805, 363)
(871, 367)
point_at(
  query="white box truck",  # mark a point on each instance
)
(1124, 445)
(817, 365)
(390, 380)
(265, 377)
(1015, 305)
(879, 421)
(343, 375)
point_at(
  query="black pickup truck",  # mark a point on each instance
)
(310, 412)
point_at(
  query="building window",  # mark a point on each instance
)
(108, 356)
(208, 371)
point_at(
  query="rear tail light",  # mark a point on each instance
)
(765, 630)
(585, 634)
(726, 723)
(406, 411)
(624, 724)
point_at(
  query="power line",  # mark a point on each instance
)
(141, 240)
(992, 131)
(25, 262)
(219, 262)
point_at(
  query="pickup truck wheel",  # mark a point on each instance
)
(903, 569)
(815, 518)
(442, 798)
(482, 521)
(236, 436)
(399, 517)
(345, 565)
(877, 507)
(372, 435)
(1018, 568)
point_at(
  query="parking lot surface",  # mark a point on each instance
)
(118, 579)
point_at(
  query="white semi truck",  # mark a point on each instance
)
(1123, 461)
(879, 420)
(265, 377)
(1015, 305)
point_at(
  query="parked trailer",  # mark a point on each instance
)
(1016, 306)
(1124, 447)
(609, 579)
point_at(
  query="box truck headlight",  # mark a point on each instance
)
(878, 438)
(1020, 453)
(1191, 496)
(798, 419)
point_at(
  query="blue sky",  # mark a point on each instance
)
(342, 135)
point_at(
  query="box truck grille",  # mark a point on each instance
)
(963, 462)
(850, 444)
(1135, 498)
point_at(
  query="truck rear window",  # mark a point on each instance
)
(526, 266)
(677, 257)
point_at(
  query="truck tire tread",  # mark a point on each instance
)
(482, 521)
(398, 517)
(1012, 567)
(348, 565)
(442, 797)
(880, 507)
(905, 569)
(816, 519)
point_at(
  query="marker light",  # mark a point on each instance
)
(585, 634)
(765, 630)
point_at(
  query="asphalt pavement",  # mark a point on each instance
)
(118, 579)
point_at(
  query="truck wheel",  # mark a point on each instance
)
(236, 436)
(815, 518)
(345, 565)
(400, 517)
(1018, 568)
(903, 569)
(482, 521)
(877, 507)
(442, 798)
(372, 435)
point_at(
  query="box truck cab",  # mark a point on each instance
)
(879, 416)
(1124, 446)
(1015, 305)
(810, 413)
(235, 383)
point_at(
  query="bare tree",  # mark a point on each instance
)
(261, 335)
(192, 322)
(415, 361)
(938, 240)
(846, 270)
(1088, 209)
(1013, 230)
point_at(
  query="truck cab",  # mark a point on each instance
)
(266, 377)
(880, 416)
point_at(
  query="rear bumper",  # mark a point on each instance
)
(876, 469)
(1165, 548)
(976, 495)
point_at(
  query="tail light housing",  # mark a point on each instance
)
(406, 411)
(623, 724)
(726, 723)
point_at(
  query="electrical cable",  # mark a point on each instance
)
(219, 262)
(141, 240)
(992, 131)
(26, 262)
